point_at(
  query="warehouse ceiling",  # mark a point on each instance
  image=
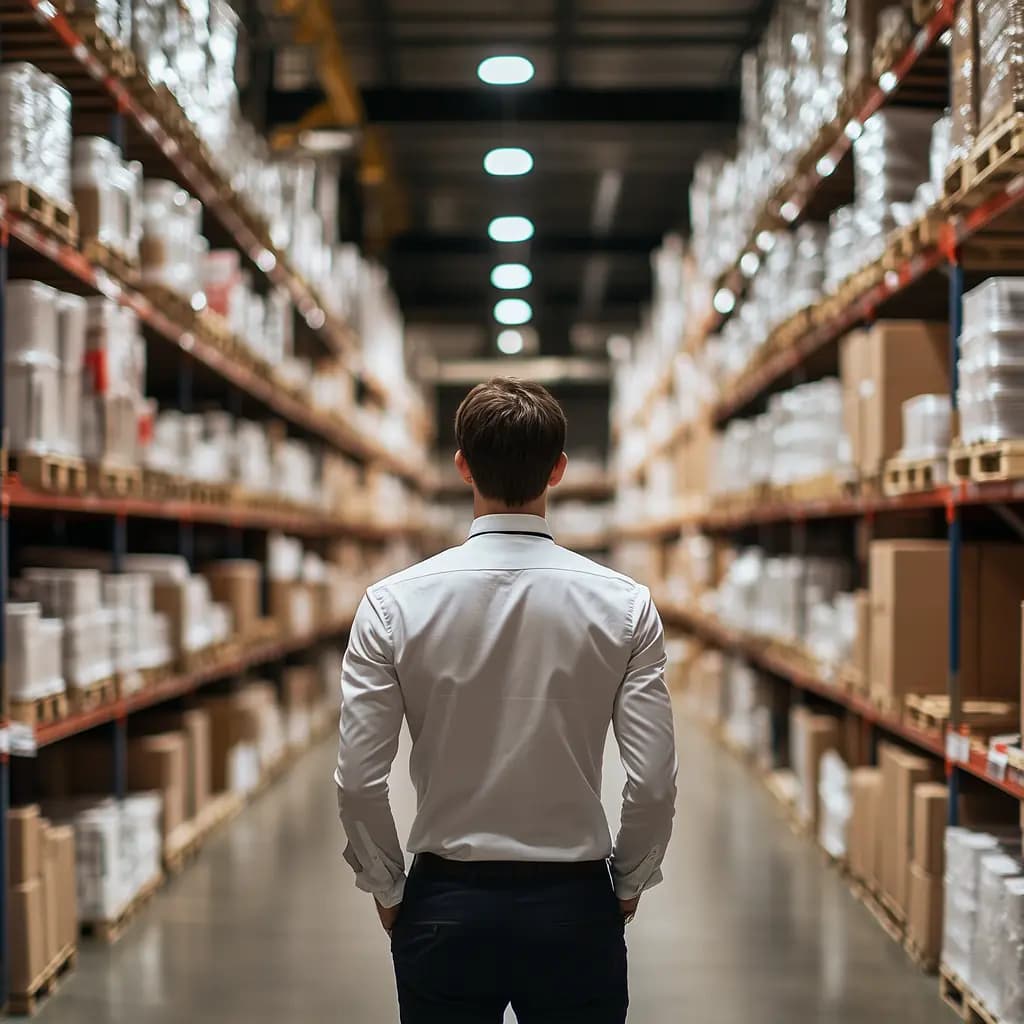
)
(627, 93)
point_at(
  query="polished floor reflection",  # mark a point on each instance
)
(265, 928)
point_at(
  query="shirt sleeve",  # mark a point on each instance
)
(642, 721)
(371, 720)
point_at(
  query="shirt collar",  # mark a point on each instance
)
(511, 523)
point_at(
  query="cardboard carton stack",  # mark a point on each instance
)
(248, 736)
(927, 864)
(864, 841)
(880, 368)
(43, 911)
(810, 737)
(910, 619)
(236, 584)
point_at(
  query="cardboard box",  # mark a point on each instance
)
(1000, 588)
(931, 814)
(26, 934)
(820, 734)
(51, 895)
(861, 660)
(291, 606)
(910, 619)
(195, 725)
(862, 28)
(901, 772)
(300, 686)
(24, 838)
(63, 840)
(865, 834)
(161, 763)
(924, 912)
(233, 723)
(902, 358)
(852, 372)
(237, 583)
(964, 80)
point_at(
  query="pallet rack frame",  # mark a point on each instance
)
(955, 230)
(340, 434)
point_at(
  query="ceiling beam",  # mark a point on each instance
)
(565, 15)
(378, 15)
(430, 243)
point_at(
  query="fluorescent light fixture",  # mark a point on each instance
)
(749, 263)
(513, 311)
(505, 70)
(511, 276)
(765, 241)
(266, 261)
(198, 301)
(790, 211)
(724, 301)
(511, 229)
(854, 130)
(888, 81)
(510, 342)
(825, 166)
(508, 162)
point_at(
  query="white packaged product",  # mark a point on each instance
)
(31, 319)
(106, 195)
(989, 928)
(835, 802)
(1011, 972)
(926, 426)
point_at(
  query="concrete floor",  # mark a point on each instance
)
(265, 928)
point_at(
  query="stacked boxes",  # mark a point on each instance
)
(864, 841)
(1000, 27)
(924, 897)
(34, 663)
(159, 764)
(811, 736)
(43, 917)
(235, 583)
(108, 194)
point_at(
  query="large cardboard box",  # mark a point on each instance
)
(291, 606)
(63, 840)
(234, 721)
(903, 358)
(25, 844)
(865, 786)
(26, 934)
(300, 686)
(901, 772)
(236, 583)
(195, 725)
(1000, 587)
(924, 912)
(861, 661)
(51, 895)
(931, 815)
(910, 619)
(862, 28)
(852, 373)
(161, 763)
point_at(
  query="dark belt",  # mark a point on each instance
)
(429, 865)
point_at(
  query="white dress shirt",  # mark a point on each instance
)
(509, 657)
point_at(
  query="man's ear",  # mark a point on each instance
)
(559, 471)
(463, 467)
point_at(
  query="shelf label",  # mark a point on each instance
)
(958, 748)
(995, 765)
(22, 739)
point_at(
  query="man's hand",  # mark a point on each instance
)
(628, 908)
(388, 915)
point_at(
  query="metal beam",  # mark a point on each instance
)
(543, 369)
(429, 243)
(378, 14)
(636, 40)
(470, 299)
(758, 22)
(565, 14)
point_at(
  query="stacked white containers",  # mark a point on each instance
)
(34, 668)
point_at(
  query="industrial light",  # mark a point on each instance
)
(724, 301)
(508, 162)
(505, 70)
(765, 241)
(511, 229)
(749, 263)
(513, 311)
(825, 166)
(511, 276)
(946, 39)
(266, 261)
(888, 81)
(854, 130)
(510, 342)
(790, 211)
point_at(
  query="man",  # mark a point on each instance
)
(509, 657)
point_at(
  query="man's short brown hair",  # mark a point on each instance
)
(512, 434)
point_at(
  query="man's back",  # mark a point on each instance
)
(510, 652)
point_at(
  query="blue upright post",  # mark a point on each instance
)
(956, 296)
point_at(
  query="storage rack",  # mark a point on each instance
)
(961, 219)
(42, 32)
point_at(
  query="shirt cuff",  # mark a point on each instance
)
(391, 897)
(646, 875)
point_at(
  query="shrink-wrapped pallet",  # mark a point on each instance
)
(1000, 30)
(964, 59)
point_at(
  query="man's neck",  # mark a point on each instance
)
(488, 507)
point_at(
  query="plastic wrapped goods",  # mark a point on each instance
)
(1011, 999)
(1001, 60)
(172, 247)
(35, 131)
(112, 17)
(106, 195)
(990, 927)
(926, 426)
(836, 803)
(964, 58)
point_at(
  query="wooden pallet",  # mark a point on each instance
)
(175, 307)
(26, 1004)
(115, 481)
(209, 493)
(912, 476)
(984, 717)
(41, 710)
(95, 695)
(62, 474)
(890, 48)
(988, 461)
(160, 486)
(110, 931)
(978, 1012)
(57, 218)
(889, 917)
(113, 262)
(816, 488)
(953, 991)
(925, 962)
(996, 159)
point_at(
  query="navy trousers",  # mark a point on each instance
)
(472, 938)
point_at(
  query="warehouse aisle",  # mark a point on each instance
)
(266, 928)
